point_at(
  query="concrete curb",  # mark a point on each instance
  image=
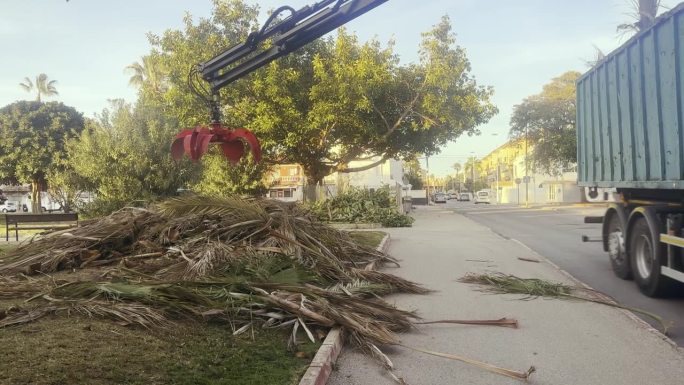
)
(321, 366)
(640, 322)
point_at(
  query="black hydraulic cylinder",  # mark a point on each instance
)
(297, 30)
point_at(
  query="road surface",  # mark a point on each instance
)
(556, 234)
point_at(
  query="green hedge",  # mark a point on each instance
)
(362, 206)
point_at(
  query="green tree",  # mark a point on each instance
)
(42, 86)
(354, 101)
(66, 187)
(414, 173)
(471, 168)
(178, 51)
(336, 100)
(148, 73)
(547, 120)
(219, 178)
(32, 142)
(457, 167)
(123, 156)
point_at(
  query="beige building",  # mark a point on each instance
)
(506, 173)
(286, 182)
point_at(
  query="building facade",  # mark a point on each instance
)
(511, 181)
(286, 182)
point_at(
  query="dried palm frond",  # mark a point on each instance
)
(489, 367)
(504, 322)
(244, 261)
(128, 313)
(233, 208)
(531, 288)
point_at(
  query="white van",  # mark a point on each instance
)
(483, 196)
(8, 207)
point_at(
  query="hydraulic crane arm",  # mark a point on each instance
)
(298, 29)
(293, 32)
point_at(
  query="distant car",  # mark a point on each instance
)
(482, 196)
(464, 197)
(8, 207)
(452, 195)
(440, 198)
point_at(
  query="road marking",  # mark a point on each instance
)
(549, 215)
(496, 211)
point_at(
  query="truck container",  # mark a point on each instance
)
(630, 136)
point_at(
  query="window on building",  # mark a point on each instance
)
(294, 171)
(287, 193)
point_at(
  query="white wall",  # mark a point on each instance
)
(391, 173)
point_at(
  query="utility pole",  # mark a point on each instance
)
(472, 173)
(427, 166)
(527, 177)
(497, 181)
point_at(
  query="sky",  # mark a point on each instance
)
(515, 46)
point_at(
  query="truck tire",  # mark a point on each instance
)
(646, 256)
(617, 250)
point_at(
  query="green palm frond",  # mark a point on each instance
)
(531, 288)
(239, 209)
(26, 85)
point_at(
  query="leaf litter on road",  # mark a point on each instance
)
(531, 288)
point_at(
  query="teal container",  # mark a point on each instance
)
(630, 112)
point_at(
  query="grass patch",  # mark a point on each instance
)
(368, 238)
(4, 249)
(80, 350)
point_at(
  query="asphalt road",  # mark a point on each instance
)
(556, 234)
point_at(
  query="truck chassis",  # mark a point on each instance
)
(644, 237)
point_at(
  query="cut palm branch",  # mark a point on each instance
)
(504, 322)
(531, 288)
(239, 260)
(489, 367)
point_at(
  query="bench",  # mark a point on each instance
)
(39, 221)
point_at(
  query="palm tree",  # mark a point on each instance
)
(42, 86)
(457, 168)
(149, 72)
(644, 13)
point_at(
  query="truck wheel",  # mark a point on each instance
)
(646, 255)
(617, 251)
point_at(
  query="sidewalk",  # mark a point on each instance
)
(568, 342)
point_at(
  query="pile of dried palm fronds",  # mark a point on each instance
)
(248, 262)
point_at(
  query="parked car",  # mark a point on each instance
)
(482, 196)
(464, 197)
(8, 207)
(440, 198)
(452, 195)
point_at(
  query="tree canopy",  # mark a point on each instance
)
(414, 174)
(336, 99)
(32, 141)
(123, 156)
(547, 120)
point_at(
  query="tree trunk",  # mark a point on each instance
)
(312, 186)
(35, 197)
(310, 191)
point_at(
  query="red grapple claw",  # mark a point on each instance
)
(195, 142)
